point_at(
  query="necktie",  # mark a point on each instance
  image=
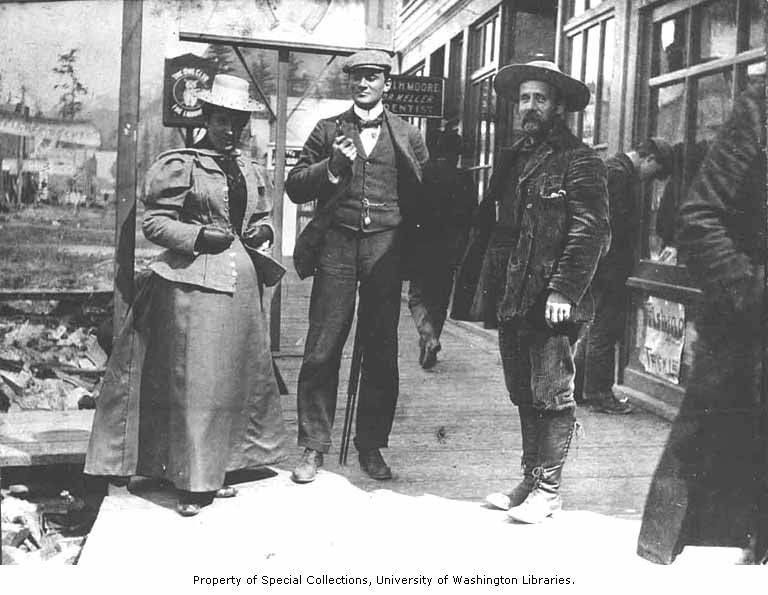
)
(376, 122)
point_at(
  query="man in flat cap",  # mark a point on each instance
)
(595, 352)
(550, 192)
(365, 166)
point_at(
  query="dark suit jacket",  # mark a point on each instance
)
(308, 180)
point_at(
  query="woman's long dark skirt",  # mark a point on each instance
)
(208, 401)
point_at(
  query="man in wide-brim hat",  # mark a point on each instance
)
(549, 191)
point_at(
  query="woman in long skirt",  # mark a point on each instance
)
(190, 393)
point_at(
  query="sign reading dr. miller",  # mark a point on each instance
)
(419, 96)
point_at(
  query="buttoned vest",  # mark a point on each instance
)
(374, 179)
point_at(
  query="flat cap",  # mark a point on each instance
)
(376, 59)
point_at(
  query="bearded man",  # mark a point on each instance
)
(549, 191)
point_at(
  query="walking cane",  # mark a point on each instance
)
(352, 386)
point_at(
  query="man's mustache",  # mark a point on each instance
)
(531, 117)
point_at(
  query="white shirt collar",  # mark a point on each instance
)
(370, 114)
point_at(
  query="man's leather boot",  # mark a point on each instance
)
(555, 430)
(373, 464)
(529, 461)
(306, 470)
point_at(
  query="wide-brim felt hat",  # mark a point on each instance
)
(575, 93)
(230, 92)
(373, 59)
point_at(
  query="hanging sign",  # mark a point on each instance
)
(184, 76)
(416, 96)
(663, 325)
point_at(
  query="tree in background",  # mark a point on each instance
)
(222, 56)
(72, 88)
(262, 68)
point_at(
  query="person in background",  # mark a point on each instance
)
(189, 393)
(440, 244)
(709, 487)
(370, 162)
(550, 190)
(595, 352)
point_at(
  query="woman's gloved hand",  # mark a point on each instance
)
(212, 240)
(255, 237)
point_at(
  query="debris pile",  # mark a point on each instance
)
(49, 365)
(40, 528)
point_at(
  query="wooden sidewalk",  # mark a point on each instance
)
(456, 434)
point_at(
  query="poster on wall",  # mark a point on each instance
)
(663, 326)
(348, 24)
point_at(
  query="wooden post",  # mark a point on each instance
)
(127, 145)
(761, 537)
(277, 209)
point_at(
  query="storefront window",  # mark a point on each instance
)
(581, 6)
(716, 23)
(590, 59)
(592, 67)
(606, 96)
(480, 124)
(689, 104)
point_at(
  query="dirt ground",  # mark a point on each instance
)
(60, 247)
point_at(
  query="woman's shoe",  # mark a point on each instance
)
(187, 509)
(190, 503)
(226, 492)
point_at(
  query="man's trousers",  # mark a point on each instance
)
(372, 261)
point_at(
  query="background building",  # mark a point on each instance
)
(668, 68)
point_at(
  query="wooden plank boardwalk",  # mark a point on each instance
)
(456, 434)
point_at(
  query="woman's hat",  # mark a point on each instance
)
(508, 79)
(230, 92)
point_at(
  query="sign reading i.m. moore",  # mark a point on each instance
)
(416, 96)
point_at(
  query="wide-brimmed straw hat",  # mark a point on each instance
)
(230, 92)
(508, 79)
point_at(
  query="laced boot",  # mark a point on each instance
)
(555, 433)
(528, 462)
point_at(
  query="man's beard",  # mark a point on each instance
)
(534, 125)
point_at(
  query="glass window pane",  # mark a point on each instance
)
(574, 56)
(575, 52)
(667, 105)
(716, 30)
(713, 101)
(756, 29)
(755, 72)
(669, 45)
(579, 6)
(590, 79)
(605, 99)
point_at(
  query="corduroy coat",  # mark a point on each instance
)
(561, 232)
